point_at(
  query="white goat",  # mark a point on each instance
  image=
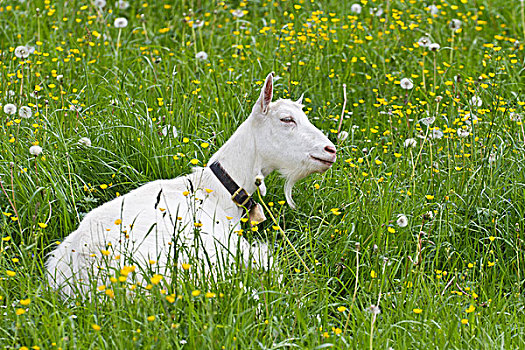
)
(169, 221)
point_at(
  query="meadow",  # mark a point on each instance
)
(413, 239)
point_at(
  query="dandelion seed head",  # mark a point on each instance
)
(343, 135)
(100, 3)
(120, 22)
(238, 13)
(356, 8)
(410, 143)
(25, 112)
(434, 47)
(21, 51)
(85, 141)
(424, 41)
(35, 150)
(406, 84)
(203, 56)
(122, 5)
(402, 220)
(10, 109)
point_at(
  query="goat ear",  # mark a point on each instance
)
(266, 94)
(300, 100)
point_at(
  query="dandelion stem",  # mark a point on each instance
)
(342, 112)
(118, 44)
(358, 249)
(283, 233)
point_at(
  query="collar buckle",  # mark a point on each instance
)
(240, 195)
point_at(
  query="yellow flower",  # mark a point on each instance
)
(151, 318)
(492, 238)
(338, 331)
(417, 311)
(210, 295)
(20, 312)
(429, 197)
(464, 321)
(103, 186)
(42, 225)
(186, 266)
(95, 327)
(156, 279)
(118, 222)
(25, 302)
(196, 293)
(205, 145)
(373, 274)
(470, 309)
(10, 273)
(194, 161)
(391, 229)
(341, 309)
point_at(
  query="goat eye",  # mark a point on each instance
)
(288, 120)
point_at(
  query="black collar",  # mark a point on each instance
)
(239, 194)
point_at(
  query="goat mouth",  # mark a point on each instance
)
(324, 161)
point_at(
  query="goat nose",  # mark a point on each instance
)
(330, 149)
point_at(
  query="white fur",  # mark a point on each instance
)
(158, 219)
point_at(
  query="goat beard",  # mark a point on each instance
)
(292, 176)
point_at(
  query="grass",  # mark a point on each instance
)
(452, 278)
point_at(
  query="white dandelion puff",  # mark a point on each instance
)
(201, 55)
(120, 22)
(123, 5)
(434, 47)
(35, 150)
(100, 3)
(238, 13)
(428, 121)
(375, 310)
(356, 8)
(476, 101)
(434, 11)
(25, 112)
(470, 118)
(406, 84)
(492, 158)
(409, 143)
(402, 220)
(462, 133)
(454, 24)
(22, 52)
(10, 109)
(436, 134)
(424, 41)
(85, 141)
(343, 135)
